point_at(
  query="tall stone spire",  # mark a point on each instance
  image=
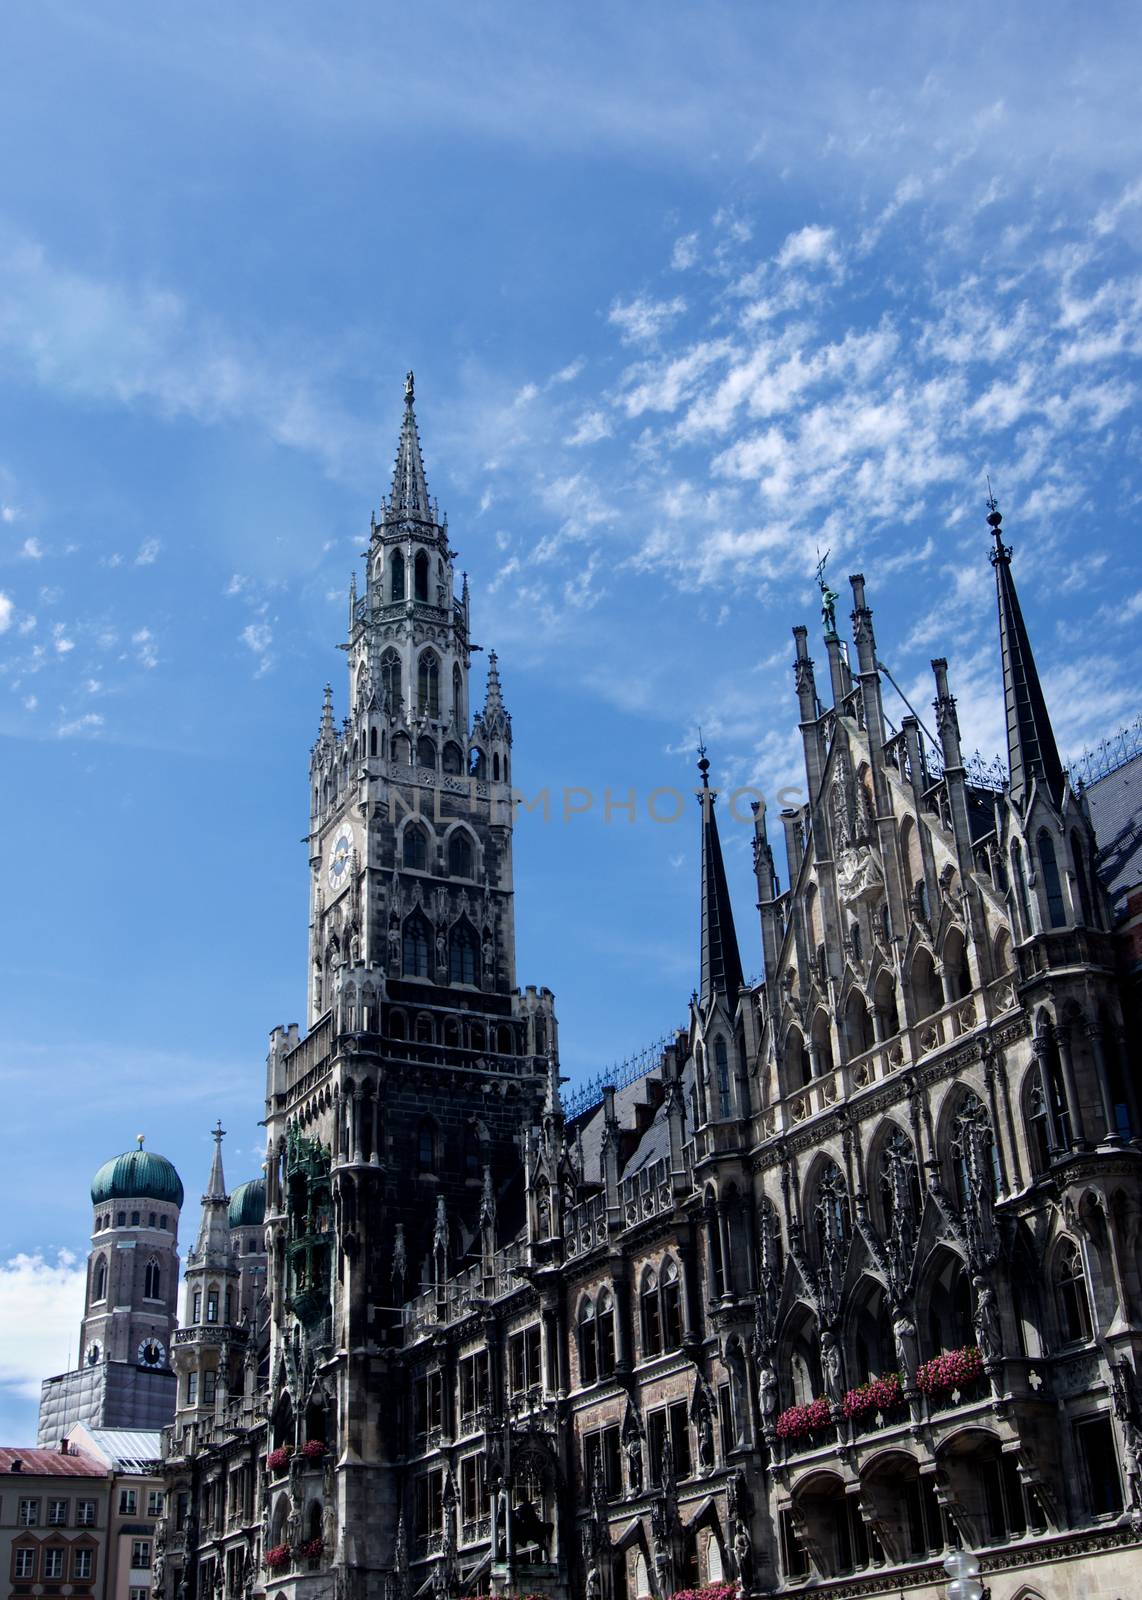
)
(1032, 753)
(214, 1229)
(409, 498)
(721, 963)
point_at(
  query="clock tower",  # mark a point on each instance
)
(398, 1124)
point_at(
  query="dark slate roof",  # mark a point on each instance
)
(1031, 749)
(721, 967)
(1115, 804)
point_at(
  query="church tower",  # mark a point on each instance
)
(400, 1120)
(123, 1378)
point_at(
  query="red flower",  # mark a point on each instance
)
(798, 1421)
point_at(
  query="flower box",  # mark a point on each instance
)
(277, 1557)
(311, 1548)
(882, 1394)
(952, 1369)
(313, 1449)
(279, 1458)
(799, 1421)
(711, 1591)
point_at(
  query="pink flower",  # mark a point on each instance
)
(952, 1369)
(878, 1394)
(797, 1421)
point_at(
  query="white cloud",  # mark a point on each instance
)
(685, 252)
(32, 550)
(90, 722)
(145, 648)
(92, 338)
(642, 320)
(590, 428)
(41, 1302)
(148, 553)
(811, 246)
(63, 645)
(30, 702)
(8, 513)
(6, 609)
(236, 584)
(569, 373)
(258, 637)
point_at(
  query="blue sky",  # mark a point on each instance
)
(689, 291)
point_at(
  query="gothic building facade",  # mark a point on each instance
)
(850, 1276)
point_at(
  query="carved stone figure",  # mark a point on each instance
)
(767, 1392)
(743, 1555)
(987, 1330)
(634, 1463)
(831, 1368)
(904, 1337)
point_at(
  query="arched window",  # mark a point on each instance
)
(372, 741)
(152, 1281)
(722, 1065)
(453, 761)
(460, 855)
(831, 1211)
(425, 1032)
(99, 1290)
(420, 575)
(463, 953)
(1081, 880)
(798, 1066)
(402, 750)
(858, 1024)
(1038, 1127)
(457, 696)
(975, 1160)
(899, 1187)
(714, 1247)
(495, 766)
(671, 1306)
(416, 848)
(650, 1313)
(605, 1326)
(472, 1153)
(926, 996)
(426, 1145)
(391, 679)
(1052, 887)
(588, 1343)
(426, 753)
(1019, 879)
(417, 943)
(1071, 1299)
(477, 763)
(428, 685)
(396, 576)
(398, 1025)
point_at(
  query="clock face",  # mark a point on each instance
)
(151, 1353)
(340, 858)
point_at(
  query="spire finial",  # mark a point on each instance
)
(1002, 552)
(409, 388)
(828, 596)
(703, 761)
(139, 1137)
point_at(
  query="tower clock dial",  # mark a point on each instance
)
(151, 1353)
(340, 856)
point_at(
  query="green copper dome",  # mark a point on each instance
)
(137, 1175)
(248, 1204)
